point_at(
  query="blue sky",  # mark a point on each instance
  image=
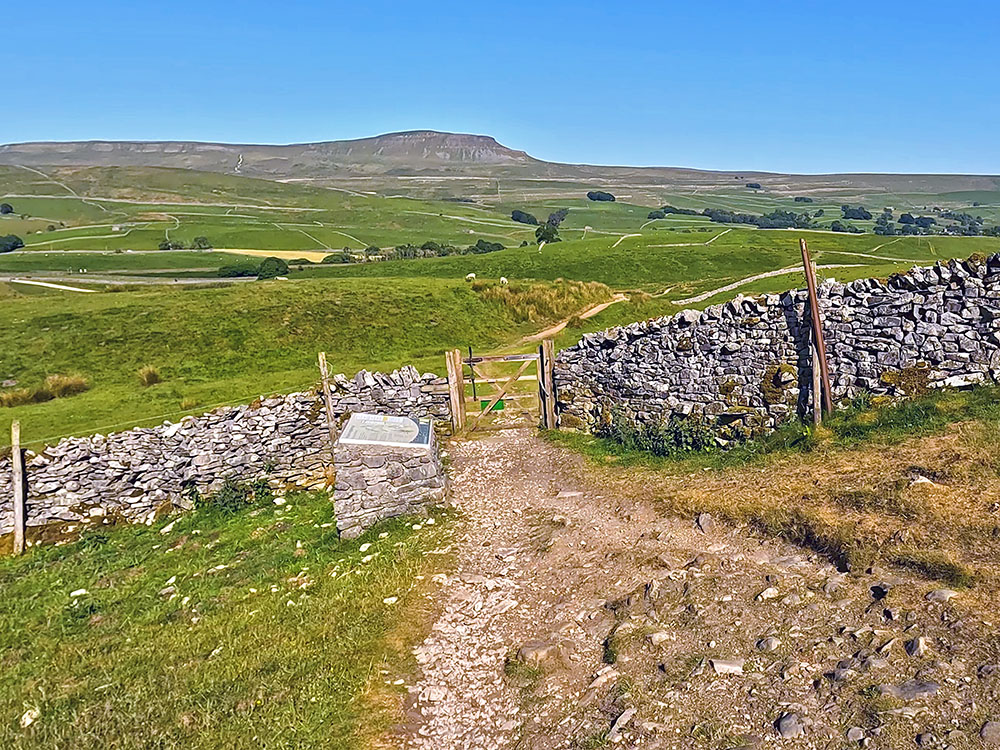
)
(786, 86)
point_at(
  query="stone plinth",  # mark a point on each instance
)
(375, 482)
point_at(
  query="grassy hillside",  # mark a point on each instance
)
(239, 630)
(234, 343)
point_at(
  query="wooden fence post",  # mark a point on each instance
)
(546, 382)
(817, 326)
(324, 375)
(17, 466)
(456, 388)
(817, 399)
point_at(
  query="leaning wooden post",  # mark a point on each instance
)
(817, 327)
(17, 465)
(324, 376)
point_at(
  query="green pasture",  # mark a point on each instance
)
(245, 628)
(234, 343)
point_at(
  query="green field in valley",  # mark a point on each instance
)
(231, 342)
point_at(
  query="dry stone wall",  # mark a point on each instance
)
(746, 365)
(131, 475)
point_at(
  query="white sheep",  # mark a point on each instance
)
(503, 281)
(470, 277)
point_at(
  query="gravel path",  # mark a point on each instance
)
(579, 615)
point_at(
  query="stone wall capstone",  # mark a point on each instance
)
(131, 475)
(746, 365)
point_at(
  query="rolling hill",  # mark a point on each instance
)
(390, 162)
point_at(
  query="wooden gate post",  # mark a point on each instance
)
(817, 326)
(17, 465)
(456, 388)
(324, 375)
(546, 383)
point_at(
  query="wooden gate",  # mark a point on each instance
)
(486, 391)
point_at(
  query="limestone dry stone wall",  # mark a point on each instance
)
(746, 365)
(131, 475)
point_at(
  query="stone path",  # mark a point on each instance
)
(579, 616)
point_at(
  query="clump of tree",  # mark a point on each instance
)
(201, 243)
(344, 256)
(658, 213)
(547, 233)
(839, 226)
(803, 199)
(778, 219)
(268, 268)
(171, 245)
(884, 225)
(271, 268)
(6, 208)
(754, 185)
(523, 217)
(10, 242)
(668, 209)
(600, 195)
(557, 217)
(856, 212)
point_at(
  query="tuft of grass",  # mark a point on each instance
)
(270, 633)
(61, 386)
(16, 397)
(936, 564)
(149, 375)
(54, 386)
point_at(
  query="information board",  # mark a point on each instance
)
(379, 429)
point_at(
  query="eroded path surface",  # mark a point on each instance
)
(578, 616)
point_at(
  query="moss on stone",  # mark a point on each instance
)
(685, 344)
(773, 385)
(728, 388)
(911, 381)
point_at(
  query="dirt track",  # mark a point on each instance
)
(578, 614)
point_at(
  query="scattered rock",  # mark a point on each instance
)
(790, 725)
(29, 717)
(537, 652)
(990, 733)
(769, 593)
(727, 666)
(881, 590)
(615, 734)
(941, 595)
(768, 644)
(917, 647)
(910, 690)
(705, 522)
(660, 637)
(855, 734)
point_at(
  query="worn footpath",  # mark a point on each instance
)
(579, 616)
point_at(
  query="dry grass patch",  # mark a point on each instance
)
(930, 505)
(528, 302)
(149, 375)
(55, 386)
